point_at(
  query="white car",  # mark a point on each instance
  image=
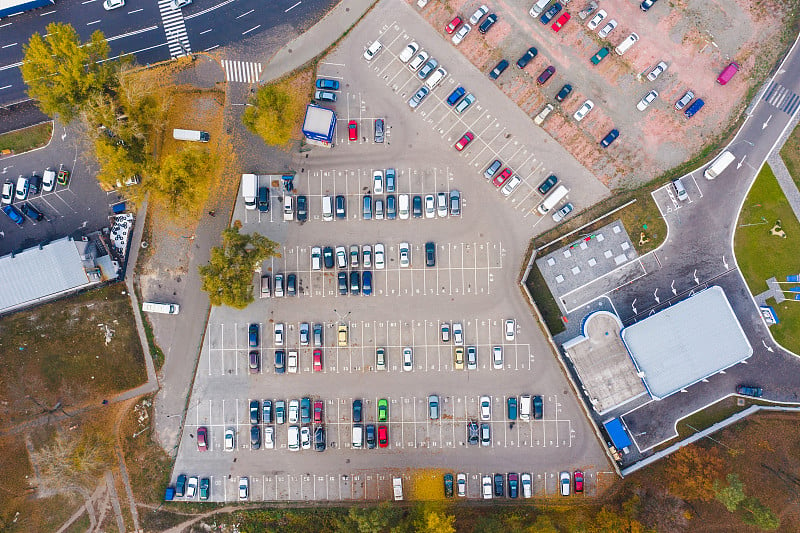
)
(373, 50)
(510, 185)
(8, 192)
(408, 359)
(527, 485)
(191, 487)
(243, 485)
(478, 15)
(403, 202)
(460, 34)
(305, 333)
(597, 19)
(656, 72)
(646, 100)
(49, 180)
(305, 438)
(294, 411)
(293, 438)
(486, 487)
(581, 113)
(561, 213)
(316, 258)
(177, 4)
(269, 437)
(366, 255)
(461, 485)
(408, 52)
(279, 329)
(405, 255)
(108, 5)
(565, 483)
(608, 28)
(22, 188)
(486, 408)
(341, 257)
(430, 206)
(497, 357)
(291, 362)
(230, 441)
(380, 257)
(458, 334)
(418, 61)
(511, 329)
(441, 204)
(377, 179)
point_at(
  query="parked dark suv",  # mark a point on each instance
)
(545, 75)
(430, 254)
(496, 71)
(547, 184)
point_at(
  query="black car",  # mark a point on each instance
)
(255, 437)
(646, 4)
(371, 438)
(341, 212)
(547, 184)
(548, 15)
(355, 282)
(180, 485)
(608, 139)
(513, 485)
(302, 208)
(255, 411)
(499, 69)
(473, 435)
(545, 75)
(499, 486)
(391, 207)
(417, 206)
(291, 284)
(564, 92)
(538, 407)
(35, 184)
(342, 276)
(280, 361)
(319, 438)
(252, 334)
(448, 485)
(487, 23)
(356, 410)
(523, 61)
(327, 256)
(31, 212)
(430, 254)
(378, 130)
(263, 199)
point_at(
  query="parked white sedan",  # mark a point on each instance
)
(581, 113)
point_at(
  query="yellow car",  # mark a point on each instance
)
(459, 358)
(342, 334)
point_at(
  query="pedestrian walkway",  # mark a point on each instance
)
(781, 98)
(788, 185)
(242, 71)
(175, 29)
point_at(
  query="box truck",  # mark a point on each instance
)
(167, 309)
(249, 190)
(552, 199)
(190, 135)
(720, 163)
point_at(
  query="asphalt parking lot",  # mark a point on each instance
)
(474, 282)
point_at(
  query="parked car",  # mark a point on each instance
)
(749, 390)
(473, 433)
(646, 100)
(31, 212)
(478, 15)
(324, 83)
(352, 130)
(538, 407)
(608, 28)
(548, 15)
(609, 138)
(255, 362)
(562, 20)
(578, 479)
(513, 485)
(487, 24)
(455, 96)
(545, 75)
(14, 214)
(684, 100)
(465, 103)
(418, 61)
(564, 92)
(597, 19)
(426, 70)
(430, 254)
(547, 184)
(325, 96)
(379, 130)
(559, 215)
(448, 485)
(527, 57)
(418, 97)
(499, 69)
(602, 53)
(202, 439)
(565, 483)
(408, 52)
(460, 34)
(451, 27)
(657, 70)
(462, 143)
(581, 113)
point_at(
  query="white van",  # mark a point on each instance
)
(436, 78)
(546, 110)
(249, 190)
(358, 435)
(294, 438)
(538, 7)
(327, 208)
(552, 199)
(720, 163)
(266, 290)
(680, 190)
(402, 206)
(288, 208)
(626, 44)
(397, 488)
(525, 407)
(373, 49)
(167, 309)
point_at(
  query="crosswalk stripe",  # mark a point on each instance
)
(241, 71)
(781, 98)
(175, 29)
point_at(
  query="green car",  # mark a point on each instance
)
(204, 488)
(598, 57)
(383, 410)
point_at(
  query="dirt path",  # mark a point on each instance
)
(112, 494)
(195, 518)
(123, 470)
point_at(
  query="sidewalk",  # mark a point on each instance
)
(307, 46)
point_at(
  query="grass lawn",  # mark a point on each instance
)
(27, 138)
(76, 350)
(790, 153)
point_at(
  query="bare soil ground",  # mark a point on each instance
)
(697, 38)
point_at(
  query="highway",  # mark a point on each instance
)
(151, 30)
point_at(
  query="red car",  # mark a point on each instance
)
(578, 481)
(455, 23)
(352, 130)
(501, 178)
(383, 436)
(317, 360)
(464, 141)
(318, 411)
(202, 439)
(557, 25)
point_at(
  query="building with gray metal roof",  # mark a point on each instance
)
(686, 342)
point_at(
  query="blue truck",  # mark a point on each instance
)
(15, 7)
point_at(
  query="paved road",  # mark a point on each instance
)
(152, 30)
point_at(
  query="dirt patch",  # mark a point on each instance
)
(696, 38)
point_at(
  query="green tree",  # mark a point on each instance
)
(228, 276)
(274, 112)
(62, 73)
(370, 519)
(181, 184)
(692, 472)
(759, 515)
(732, 495)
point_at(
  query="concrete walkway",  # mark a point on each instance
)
(310, 44)
(788, 186)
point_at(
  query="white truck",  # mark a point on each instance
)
(190, 135)
(720, 163)
(397, 486)
(552, 199)
(249, 190)
(167, 309)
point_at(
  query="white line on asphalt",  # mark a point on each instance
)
(294, 6)
(245, 14)
(251, 29)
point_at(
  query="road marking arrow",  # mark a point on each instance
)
(725, 263)
(633, 306)
(655, 295)
(696, 280)
(740, 163)
(766, 123)
(769, 349)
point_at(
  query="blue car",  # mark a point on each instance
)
(548, 15)
(252, 334)
(608, 139)
(324, 83)
(367, 213)
(366, 283)
(280, 361)
(694, 108)
(455, 96)
(14, 214)
(390, 180)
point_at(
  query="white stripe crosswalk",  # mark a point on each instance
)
(243, 71)
(175, 29)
